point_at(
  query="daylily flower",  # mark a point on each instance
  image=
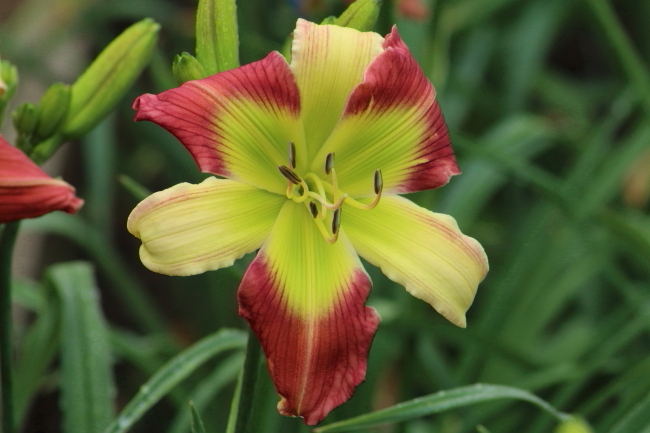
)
(26, 191)
(314, 154)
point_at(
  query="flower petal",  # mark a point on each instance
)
(189, 229)
(237, 123)
(304, 298)
(391, 122)
(26, 191)
(421, 250)
(328, 62)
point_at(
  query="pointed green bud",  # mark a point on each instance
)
(53, 108)
(106, 80)
(217, 40)
(360, 15)
(186, 68)
(329, 20)
(573, 424)
(8, 83)
(25, 118)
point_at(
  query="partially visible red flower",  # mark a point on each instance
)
(416, 10)
(26, 191)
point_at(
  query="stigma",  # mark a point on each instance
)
(321, 194)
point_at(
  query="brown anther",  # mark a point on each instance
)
(329, 162)
(313, 209)
(336, 221)
(379, 181)
(289, 174)
(292, 154)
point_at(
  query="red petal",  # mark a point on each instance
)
(26, 191)
(228, 120)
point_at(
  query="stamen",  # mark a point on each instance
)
(313, 209)
(289, 174)
(329, 162)
(292, 154)
(330, 238)
(379, 182)
(378, 187)
(336, 221)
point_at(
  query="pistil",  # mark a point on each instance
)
(315, 193)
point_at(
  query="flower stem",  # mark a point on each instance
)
(248, 389)
(7, 239)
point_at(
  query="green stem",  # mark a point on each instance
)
(7, 239)
(623, 47)
(248, 388)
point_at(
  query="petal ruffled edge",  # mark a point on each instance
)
(393, 122)
(190, 229)
(421, 250)
(304, 299)
(237, 123)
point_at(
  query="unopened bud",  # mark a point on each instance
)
(53, 109)
(186, 68)
(573, 425)
(360, 15)
(8, 83)
(25, 118)
(107, 79)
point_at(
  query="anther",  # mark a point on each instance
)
(379, 181)
(289, 174)
(313, 209)
(292, 154)
(329, 162)
(336, 221)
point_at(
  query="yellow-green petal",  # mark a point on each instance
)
(328, 62)
(189, 229)
(421, 250)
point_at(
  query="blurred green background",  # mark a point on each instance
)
(548, 103)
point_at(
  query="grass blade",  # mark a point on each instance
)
(87, 388)
(439, 402)
(173, 372)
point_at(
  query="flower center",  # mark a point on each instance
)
(321, 194)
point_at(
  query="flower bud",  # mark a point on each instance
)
(25, 118)
(108, 77)
(8, 83)
(187, 68)
(217, 40)
(53, 109)
(573, 425)
(360, 15)
(26, 191)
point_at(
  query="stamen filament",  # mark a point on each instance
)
(330, 238)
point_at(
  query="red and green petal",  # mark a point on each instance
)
(237, 123)
(423, 251)
(190, 229)
(328, 62)
(391, 122)
(26, 191)
(304, 299)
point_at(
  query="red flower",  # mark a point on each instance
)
(26, 191)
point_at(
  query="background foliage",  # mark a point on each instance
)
(548, 102)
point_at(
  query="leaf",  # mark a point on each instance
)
(87, 388)
(439, 402)
(636, 420)
(173, 372)
(197, 423)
